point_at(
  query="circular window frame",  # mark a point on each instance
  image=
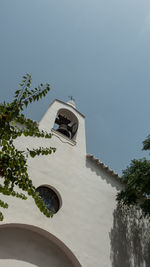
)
(56, 192)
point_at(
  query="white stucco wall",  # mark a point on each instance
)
(88, 194)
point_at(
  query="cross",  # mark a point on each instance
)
(71, 97)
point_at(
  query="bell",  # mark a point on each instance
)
(63, 128)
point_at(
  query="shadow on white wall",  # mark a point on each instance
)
(130, 239)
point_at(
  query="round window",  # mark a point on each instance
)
(49, 197)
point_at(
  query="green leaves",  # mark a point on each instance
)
(24, 95)
(1, 216)
(41, 205)
(137, 185)
(13, 162)
(41, 151)
(146, 143)
(3, 204)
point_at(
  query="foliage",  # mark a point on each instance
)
(137, 182)
(13, 162)
(146, 143)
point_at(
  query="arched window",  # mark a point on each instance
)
(66, 123)
(49, 197)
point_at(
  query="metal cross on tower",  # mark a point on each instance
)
(71, 97)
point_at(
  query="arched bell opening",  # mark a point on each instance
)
(28, 245)
(66, 123)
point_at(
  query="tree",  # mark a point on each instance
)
(136, 178)
(13, 162)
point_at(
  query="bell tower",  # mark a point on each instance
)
(67, 125)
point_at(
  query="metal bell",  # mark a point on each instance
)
(63, 128)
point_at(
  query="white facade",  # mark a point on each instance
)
(79, 233)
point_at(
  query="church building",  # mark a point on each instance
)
(77, 187)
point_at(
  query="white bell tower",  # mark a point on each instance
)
(67, 125)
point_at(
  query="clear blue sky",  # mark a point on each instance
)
(96, 50)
